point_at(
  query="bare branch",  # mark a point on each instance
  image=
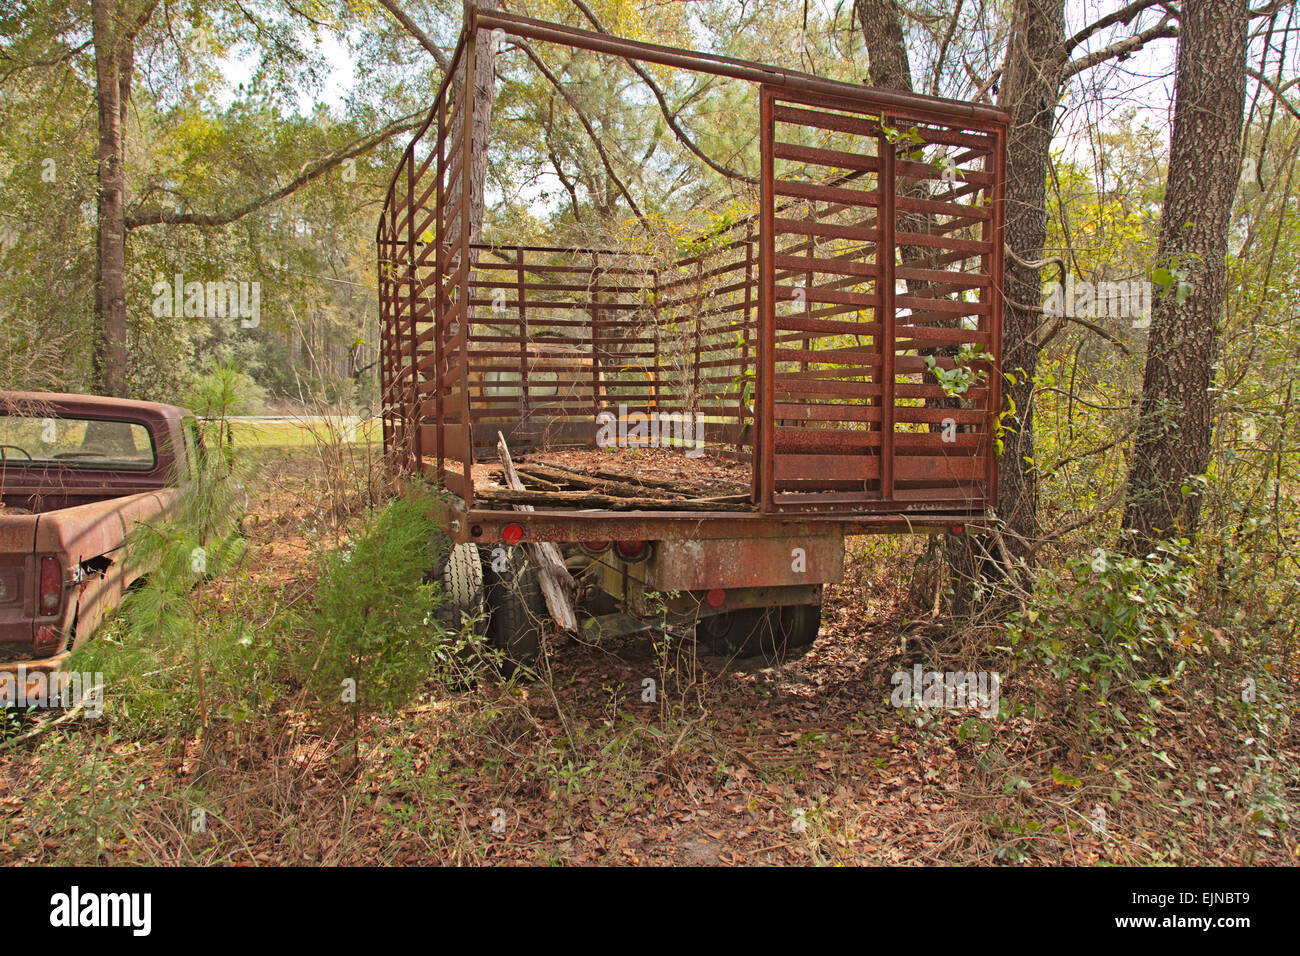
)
(943, 48)
(669, 115)
(158, 216)
(414, 30)
(1277, 91)
(1121, 48)
(1124, 14)
(586, 124)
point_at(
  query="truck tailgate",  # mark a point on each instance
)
(17, 582)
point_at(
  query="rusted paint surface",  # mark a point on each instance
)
(485, 527)
(692, 564)
(648, 602)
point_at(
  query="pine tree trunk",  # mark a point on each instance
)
(1173, 437)
(1031, 86)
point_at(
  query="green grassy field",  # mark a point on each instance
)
(296, 434)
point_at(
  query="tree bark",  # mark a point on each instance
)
(112, 87)
(1031, 85)
(483, 93)
(882, 29)
(1173, 436)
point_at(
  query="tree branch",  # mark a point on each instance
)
(1124, 14)
(586, 124)
(414, 30)
(1121, 48)
(1277, 91)
(158, 216)
(669, 115)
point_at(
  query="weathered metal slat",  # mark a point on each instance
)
(827, 467)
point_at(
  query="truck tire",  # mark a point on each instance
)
(461, 575)
(775, 634)
(515, 606)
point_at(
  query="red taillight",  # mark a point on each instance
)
(632, 550)
(51, 593)
(47, 640)
(512, 534)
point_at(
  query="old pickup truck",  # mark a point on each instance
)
(77, 474)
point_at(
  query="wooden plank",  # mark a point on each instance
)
(557, 584)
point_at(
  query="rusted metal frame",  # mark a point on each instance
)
(524, 393)
(385, 355)
(763, 460)
(885, 258)
(995, 226)
(807, 291)
(497, 248)
(463, 273)
(655, 320)
(595, 333)
(395, 294)
(439, 295)
(745, 323)
(695, 309)
(719, 65)
(570, 526)
(438, 97)
(392, 355)
(416, 419)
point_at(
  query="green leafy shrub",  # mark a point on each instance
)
(1108, 624)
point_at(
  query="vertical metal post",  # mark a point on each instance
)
(699, 286)
(381, 242)
(993, 232)
(440, 293)
(744, 332)
(765, 464)
(466, 199)
(885, 255)
(394, 289)
(658, 372)
(524, 399)
(596, 333)
(417, 411)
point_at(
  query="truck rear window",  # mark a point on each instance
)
(69, 442)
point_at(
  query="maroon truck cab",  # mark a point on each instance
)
(77, 474)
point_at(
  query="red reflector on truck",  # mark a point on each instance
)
(51, 593)
(512, 534)
(47, 640)
(632, 551)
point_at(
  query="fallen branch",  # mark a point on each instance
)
(557, 584)
(592, 499)
(606, 485)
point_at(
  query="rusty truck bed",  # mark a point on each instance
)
(836, 351)
(651, 479)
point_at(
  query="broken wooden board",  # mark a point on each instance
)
(557, 584)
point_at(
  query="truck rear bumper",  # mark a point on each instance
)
(486, 526)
